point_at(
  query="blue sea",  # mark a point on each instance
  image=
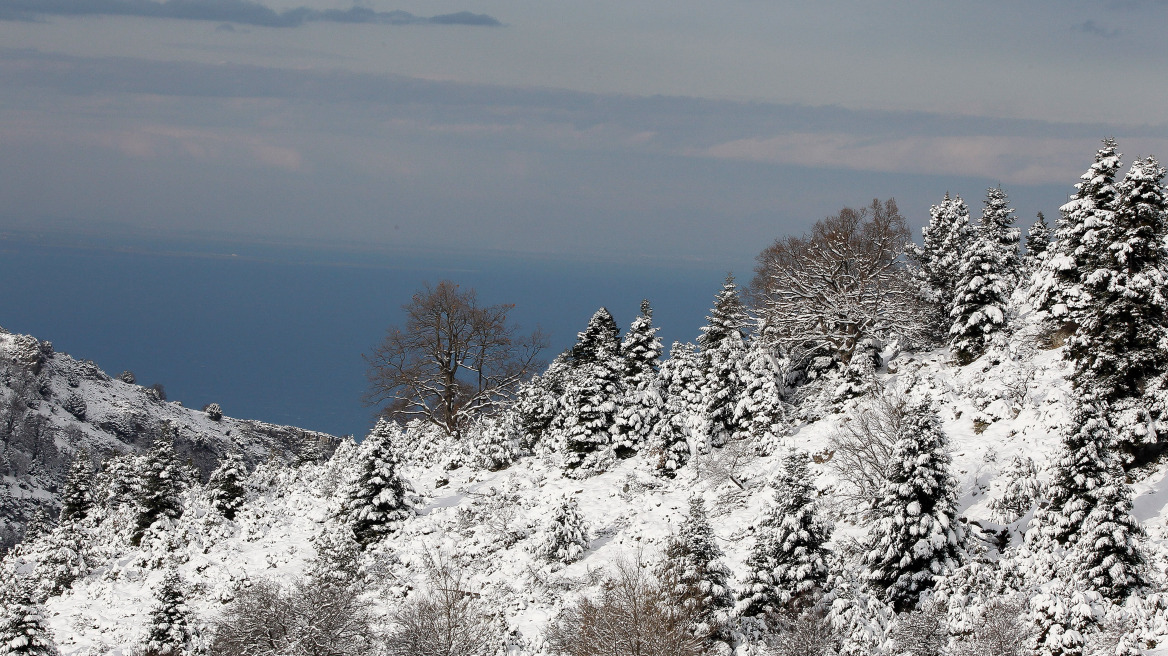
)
(277, 332)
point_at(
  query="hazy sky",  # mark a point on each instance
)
(700, 130)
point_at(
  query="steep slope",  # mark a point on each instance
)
(52, 404)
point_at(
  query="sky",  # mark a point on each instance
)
(625, 131)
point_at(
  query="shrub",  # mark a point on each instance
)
(214, 412)
(447, 620)
(127, 376)
(75, 405)
(157, 391)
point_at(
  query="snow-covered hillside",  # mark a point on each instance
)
(52, 405)
(489, 523)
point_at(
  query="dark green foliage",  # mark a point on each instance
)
(986, 277)
(723, 352)
(77, 494)
(226, 485)
(693, 574)
(938, 259)
(599, 340)
(168, 632)
(377, 503)
(787, 567)
(917, 536)
(160, 489)
(1037, 242)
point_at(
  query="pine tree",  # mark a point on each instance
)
(1077, 248)
(564, 537)
(226, 485)
(1107, 553)
(336, 561)
(987, 273)
(917, 536)
(23, 631)
(938, 259)
(759, 413)
(159, 492)
(723, 350)
(1081, 468)
(787, 564)
(1022, 490)
(997, 222)
(1037, 243)
(693, 573)
(168, 632)
(598, 342)
(592, 393)
(77, 494)
(1119, 342)
(681, 380)
(641, 404)
(376, 503)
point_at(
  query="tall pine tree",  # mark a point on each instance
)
(787, 566)
(681, 379)
(917, 536)
(592, 393)
(641, 405)
(723, 351)
(163, 482)
(938, 259)
(986, 276)
(1077, 248)
(759, 414)
(1107, 555)
(1037, 242)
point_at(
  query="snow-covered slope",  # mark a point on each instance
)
(51, 405)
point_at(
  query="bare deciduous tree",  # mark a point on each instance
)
(448, 619)
(862, 447)
(825, 292)
(1001, 630)
(454, 358)
(633, 616)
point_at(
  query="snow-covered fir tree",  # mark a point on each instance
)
(1081, 468)
(159, 492)
(759, 413)
(985, 279)
(77, 493)
(641, 404)
(1077, 248)
(1107, 555)
(496, 441)
(1119, 343)
(787, 566)
(997, 222)
(225, 486)
(564, 537)
(723, 351)
(916, 536)
(59, 559)
(23, 631)
(376, 502)
(1037, 242)
(168, 631)
(693, 571)
(336, 560)
(938, 259)
(681, 384)
(593, 390)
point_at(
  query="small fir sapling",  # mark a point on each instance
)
(377, 504)
(168, 632)
(564, 537)
(77, 494)
(213, 411)
(694, 574)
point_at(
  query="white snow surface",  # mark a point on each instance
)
(1020, 403)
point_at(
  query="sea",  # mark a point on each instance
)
(277, 331)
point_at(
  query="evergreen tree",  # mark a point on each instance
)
(938, 258)
(917, 536)
(787, 564)
(59, 558)
(23, 631)
(159, 492)
(564, 537)
(641, 403)
(1022, 490)
(597, 343)
(1082, 467)
(997, 223)
(1107, 554)
(693, 573)
(226, 485)
(681, 380)
(1037, 243)
(759, 414)
(376, 503)
(336, 561)
(1119, 343)
(77, 494)
(985, 277)
(1077, 248)
(168, 632)
(723, 350)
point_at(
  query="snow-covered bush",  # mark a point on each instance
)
(564, 537)
(23, 631)
(168, 632)
(447, 619)
(75, 405)
(214, 412)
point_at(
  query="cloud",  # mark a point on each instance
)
(1095, 29)
(243, 12)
